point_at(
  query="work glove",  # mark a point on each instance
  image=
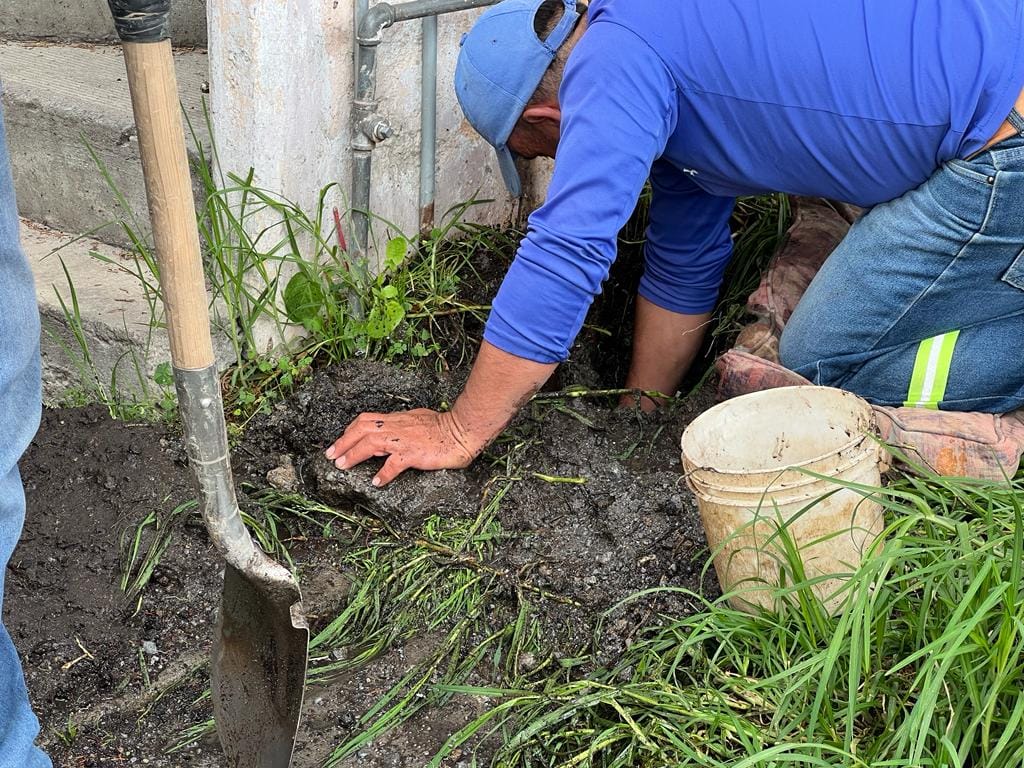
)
(986, 446)
(741, 372)
(818, 227)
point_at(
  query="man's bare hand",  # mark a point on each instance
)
(423, 439)
(419, 439)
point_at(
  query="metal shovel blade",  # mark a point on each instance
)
(259, 668)
(261, 644)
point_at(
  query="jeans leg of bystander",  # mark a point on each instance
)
(20, 404)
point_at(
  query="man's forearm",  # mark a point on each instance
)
(499, 385)
(664, 346)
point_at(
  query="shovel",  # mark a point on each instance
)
(260, 647)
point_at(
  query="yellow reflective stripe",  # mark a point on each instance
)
(931, 371)
(924, 352)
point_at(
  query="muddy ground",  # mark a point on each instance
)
(118, 687)
(121, 682)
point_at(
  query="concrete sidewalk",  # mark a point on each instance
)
(118, 322)
(59, 101)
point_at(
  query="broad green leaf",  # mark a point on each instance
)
(383, 319)
(164, 375)
(394, 253)
(303, 298)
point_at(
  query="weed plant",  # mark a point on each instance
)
(275, 269)
(286, 294)
(435, 583)
(141, 398)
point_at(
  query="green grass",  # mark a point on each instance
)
(127, 391)
(758, 224)
(922, 667)
(435, 583)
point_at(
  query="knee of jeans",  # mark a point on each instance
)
(800, 350)
(806, 354)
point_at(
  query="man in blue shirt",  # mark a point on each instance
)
(907, 109)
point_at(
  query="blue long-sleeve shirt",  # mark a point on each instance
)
(856, 100)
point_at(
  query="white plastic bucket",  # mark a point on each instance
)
(748, 461)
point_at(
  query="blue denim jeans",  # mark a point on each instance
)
(20, 405)
(922, 304)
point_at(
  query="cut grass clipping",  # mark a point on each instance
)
(144, 544)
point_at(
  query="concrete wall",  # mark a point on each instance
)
(282, 81)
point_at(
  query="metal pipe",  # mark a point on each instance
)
(428, 123)
(383, 15)
(368, 127)
(361, 7)
(360, 167)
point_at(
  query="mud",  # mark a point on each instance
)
(599, 510)
(596, 511)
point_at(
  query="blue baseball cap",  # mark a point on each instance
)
(501, 63)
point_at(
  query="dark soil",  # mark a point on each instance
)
(118, 686)
(625, 523)
(89, 480)
(89, 657)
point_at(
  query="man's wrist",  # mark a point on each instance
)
(472, 431)
(498, 386)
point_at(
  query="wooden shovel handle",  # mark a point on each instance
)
(172, 211)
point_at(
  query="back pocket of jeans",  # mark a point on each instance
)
(1015, 274)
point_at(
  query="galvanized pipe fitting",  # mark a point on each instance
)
(369, 128)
